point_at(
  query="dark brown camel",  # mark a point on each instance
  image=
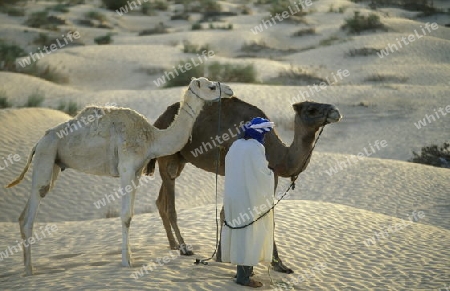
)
(287, 161)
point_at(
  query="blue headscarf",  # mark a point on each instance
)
(258, 128)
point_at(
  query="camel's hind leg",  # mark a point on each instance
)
(170, 167)
(42, 180)
(128, 180)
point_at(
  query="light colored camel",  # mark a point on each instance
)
(286, 160)
(116, 142)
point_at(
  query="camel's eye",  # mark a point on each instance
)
(312, 110)
(212, 87)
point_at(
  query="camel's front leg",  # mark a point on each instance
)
(277, 264)
(129, 185)
(170, 168)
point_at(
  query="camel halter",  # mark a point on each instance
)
(193, 113)
(291, 186)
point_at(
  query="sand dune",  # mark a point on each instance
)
(344, 227)
(309, 233)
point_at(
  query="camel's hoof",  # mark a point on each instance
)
(186, 250)
(126, 263)
(280, 267)
(28, 271)
(186, 253)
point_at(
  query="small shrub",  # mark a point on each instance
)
(114, 4)
(359, 23)
(329, 41)
(232, 73)
(148, 9)
(184, 78)
(180, 16)
(305, 31)
(35, 100)
(279, 6)
(14, 11)
(158, 29)
(194, 49)
(4, 103)
(295, 76)
(245, 10)
(43, 39)
(95, 15)
(70, 108)
(226, 27)
(104, 39)
(437, 156)
(61, 7)
(8, 2)
(8, 55)
(210, 6)
(254, 46)
(385, 78)
(363, 52)
(47, 73)
(196, 26)
(160, 5)
(37, 19)
(112, 212)
(424, 6)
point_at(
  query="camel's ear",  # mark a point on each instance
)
(198, 83)
(297, 107)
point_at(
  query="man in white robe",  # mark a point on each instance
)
(249, 188)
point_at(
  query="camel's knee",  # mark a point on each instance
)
(44, 190)
(22, 218)
(127, 221)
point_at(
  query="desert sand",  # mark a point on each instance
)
(342, 229)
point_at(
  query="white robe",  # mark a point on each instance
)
(249, 183)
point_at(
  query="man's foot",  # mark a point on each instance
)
(252, 283)
(251, 275)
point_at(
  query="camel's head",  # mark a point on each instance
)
(313, 114)
(209, 90)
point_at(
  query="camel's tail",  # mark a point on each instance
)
(27, 166)
(150, 169)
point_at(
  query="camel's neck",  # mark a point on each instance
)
(292, 159)
(173, 139)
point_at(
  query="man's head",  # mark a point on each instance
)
(258, 128)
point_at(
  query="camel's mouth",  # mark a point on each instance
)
(227, 91)
(334, 115)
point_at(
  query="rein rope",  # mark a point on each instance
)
(204, 261)
(291, 186)
(192, 114)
